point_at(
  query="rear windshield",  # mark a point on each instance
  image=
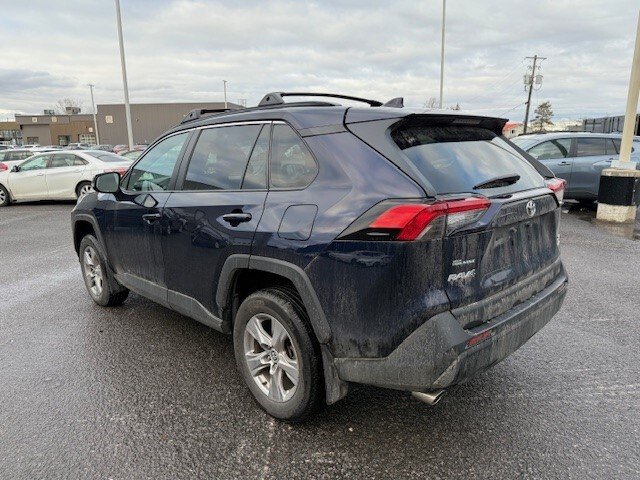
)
(106, 156)
(457, 158)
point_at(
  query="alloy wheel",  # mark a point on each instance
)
(3, 197)
(85, 189)
(271, 357)
(93, 271)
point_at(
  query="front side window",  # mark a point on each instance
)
(559, 148)
(590, 147)
(35, 163)
(153, 172)
(292, 165)
(220, 158)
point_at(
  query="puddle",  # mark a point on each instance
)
(588, 214)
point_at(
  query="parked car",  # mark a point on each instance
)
(78, 146)
(11, 157)
(5, 147)
(104, 146)
(120, 148)
(131, 154)
(578, 158)
(400, 248)
(31, 145)
(59, 175)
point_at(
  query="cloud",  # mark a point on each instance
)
(182, 50)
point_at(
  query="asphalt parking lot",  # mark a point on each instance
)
(142, 392)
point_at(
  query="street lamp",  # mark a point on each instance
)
(95, 123)
(127, 108)
(224, 84)
(444, 8)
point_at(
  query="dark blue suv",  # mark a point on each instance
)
(378, 245)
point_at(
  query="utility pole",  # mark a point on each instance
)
(444, 8)
(127, 107)
(530, 82)
(224, 83)
(95, 123)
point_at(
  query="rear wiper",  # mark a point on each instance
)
(501, 181)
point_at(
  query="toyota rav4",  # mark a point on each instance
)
(337, 244)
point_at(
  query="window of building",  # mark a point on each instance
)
(220, 158)
(292, 165)
(64, 140)
(32, 140)
(88, 138)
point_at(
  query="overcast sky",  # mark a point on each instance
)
(181, 50)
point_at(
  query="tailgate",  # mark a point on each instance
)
(490, 271)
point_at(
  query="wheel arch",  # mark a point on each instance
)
(236, 264)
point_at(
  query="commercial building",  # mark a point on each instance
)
(148, 120)
(10, 133)
(53, 129)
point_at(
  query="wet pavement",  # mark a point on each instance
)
(142, 392)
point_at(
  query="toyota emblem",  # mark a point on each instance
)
(531, 208)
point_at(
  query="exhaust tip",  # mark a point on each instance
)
(430, 398)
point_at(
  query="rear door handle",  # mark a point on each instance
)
(236, 218)
(151, 218)
(564, 163)
(40, 175)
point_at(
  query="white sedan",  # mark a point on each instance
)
(59, 175)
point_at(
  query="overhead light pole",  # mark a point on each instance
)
(224, 84)
(444, 9)
(127, 107)
(95, 123)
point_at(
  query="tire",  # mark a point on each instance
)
(83, 188)
(101, 286)
(5, 198)
(284, 400)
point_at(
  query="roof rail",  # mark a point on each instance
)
(200, 112)
(275, 98)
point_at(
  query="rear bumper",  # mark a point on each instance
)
(440, 353)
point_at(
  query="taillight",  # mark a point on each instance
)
(410, 221)
(557, 186)
(3, 167)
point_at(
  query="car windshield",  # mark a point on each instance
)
(106, 156)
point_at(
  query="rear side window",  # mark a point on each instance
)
(590, 147)
(220, 158)
(292, 165)
(255, 176)
(551, 149)
(456, 158)
(65, 160)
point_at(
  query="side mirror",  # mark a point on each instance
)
(15, 168)
(107, 182)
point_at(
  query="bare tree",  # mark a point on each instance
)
(543, 116)
(455, 107)
(431, 103)
(61, 105)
